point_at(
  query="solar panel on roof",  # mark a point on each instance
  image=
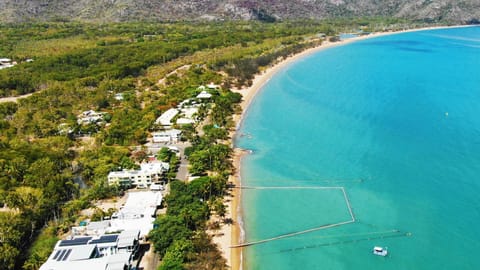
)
(75, 242)
(62, 252)
(66, 255)
(56, 254)
(105, 239)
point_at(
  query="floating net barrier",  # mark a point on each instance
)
(318, 228)
(308, 181)
(366, 237)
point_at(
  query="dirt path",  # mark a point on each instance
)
(14, 99)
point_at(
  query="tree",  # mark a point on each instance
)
(177, 253)
(12, 228)
(168, 229)
(9, 255)
(40, 172)
(214, 133)
(219, 207)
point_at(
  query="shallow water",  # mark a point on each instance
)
(395, 120)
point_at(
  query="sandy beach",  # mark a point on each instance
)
(232, 234)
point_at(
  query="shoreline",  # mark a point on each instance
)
(234, 257)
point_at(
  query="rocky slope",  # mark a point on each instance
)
(160, 10)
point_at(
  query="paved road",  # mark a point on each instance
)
(182, 173)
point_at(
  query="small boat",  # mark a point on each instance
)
(380, 251)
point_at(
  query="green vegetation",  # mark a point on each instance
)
(180, 236)
(46, 156)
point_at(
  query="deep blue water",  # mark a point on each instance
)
(394, 120)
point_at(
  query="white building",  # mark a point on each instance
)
(188, 115)
(88, 117)
(6, 63)
(119, 96)
(112, 252)
(189, 112)
(148, 174)
(204, 95)
(213, 86)
(185, 121)
(138, 213)
(166, 118)
(97, 227)
(168, 136)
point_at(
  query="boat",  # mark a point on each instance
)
(380, 251)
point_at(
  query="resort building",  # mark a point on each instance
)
(186, 111)
(138, 213)
(168, 136)
(149, 173)
(112, 252)
(185, 121)
(166, 118)
(189, 112)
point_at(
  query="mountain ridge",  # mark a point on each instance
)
(177, 10)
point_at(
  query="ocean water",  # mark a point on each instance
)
(395, 122)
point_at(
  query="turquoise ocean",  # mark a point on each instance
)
(395, 122)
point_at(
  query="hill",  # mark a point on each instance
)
(170, 10)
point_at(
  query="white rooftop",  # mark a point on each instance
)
(204, 95)
(113, 262)
(166, 118)
(97, 225)
(212, 86)
(155, 167)
(119, 96)
(81, 252)
(127, 238)
(137, 213)
(170, 132)
(189, 112)
(185, 121)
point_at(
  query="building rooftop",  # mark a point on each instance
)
(109, 251)
(137, 213)
(128, 238)
(204, 95)
(166, 118)
(118, 261)
(74, 242)
(170, 132)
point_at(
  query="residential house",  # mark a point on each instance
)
(204, 95)
(213, 86)
(88, 117)
(6, 63)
